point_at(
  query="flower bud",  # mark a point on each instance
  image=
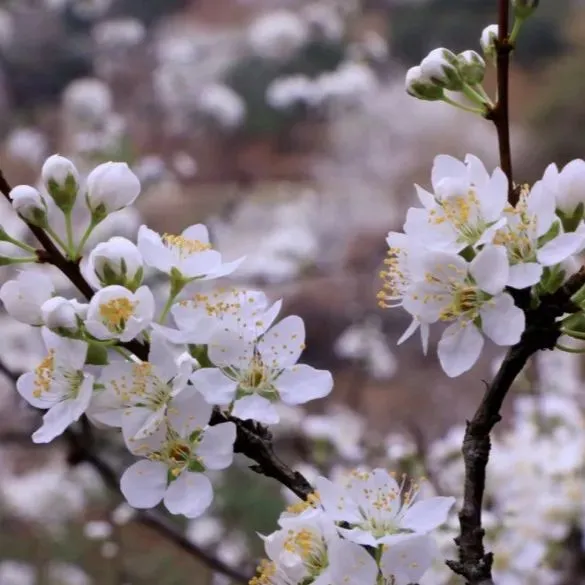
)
(441, 67)
(61, 314)
(419, 86)
(488, 39)
(524, 8)
(117, 261)
(471, 67)
(29, 204)
(61, 180)
(110, 187)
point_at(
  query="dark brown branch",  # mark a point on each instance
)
(542, 332)
(499, 114)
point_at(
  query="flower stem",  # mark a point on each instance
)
(92, 225)
(475, 96)
(451, 102)
(569, 349)
(574, 334)
(518, 22)
(70, 243)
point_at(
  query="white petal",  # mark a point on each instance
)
(229, 348)
(163, 356)
(335, 502)
(188, 411)
(214, 385)
(426, 198)
(190, 494)
(410, 331)
(445, 166)
(490, 269)
(502, 321)
(153, 251)
(477, 172)
(225, 269)
(406, 562)
(26, 387)
(359, 536)
(459, 348)
(541, 204)
(71, 352)
(282, 345)
(197, 232)
(256, 408)
(493, 196)
(559, 249)
(428, 514)
(302, 383)
(524, 275)
(351, 564)
(216, 448)
(139, 423)
(144, 483)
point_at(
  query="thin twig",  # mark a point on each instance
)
(499, 114)
(542, 332)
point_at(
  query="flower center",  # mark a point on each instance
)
(148, 388)
(184, 246)
(466, 300)
(115, 313)
(44, 374)
(394, 278)
(310, 549)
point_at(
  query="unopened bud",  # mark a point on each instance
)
(418, 86)
(441, 67)
(61, 314)
(61, 180)
(29, 204)
(117, 261)
(488, 39)
(471, 67)
(524, 8)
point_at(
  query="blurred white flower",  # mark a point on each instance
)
(87, 99)
(366, 342)
(205, 531)
(120, 32)
(324, 21)
(66, 574)
(349, 82)
(27, 144)
(17, 573)
(185, 165)
(6, 28)
(222, 104)
(278, 35)
(286, 92)
(342, 427)
(97, 530)
(123, 514)
(90, 9)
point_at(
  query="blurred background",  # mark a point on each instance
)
(284, 126)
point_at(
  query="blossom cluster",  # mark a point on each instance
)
(155, 373)
(364, 529)
(466, 251)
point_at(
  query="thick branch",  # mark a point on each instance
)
(541, 332)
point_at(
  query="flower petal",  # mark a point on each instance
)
(490, 269)
(282, 345)
(459, 348)
(190, 494)
(406, 562)
(256, 408)
(216, 448)
(559, 249)
(302, 383)
(335, 502)
(445, 166)
(144, 483)
(188, 411)
(524, 275)
(214, 385)
(502, 321)
(428, 514)
(351, 564)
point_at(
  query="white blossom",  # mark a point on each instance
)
(111, 186)
(117, 313)
(58, 385)
(253, 374)
(29, 204)
(61, 314)
(24, 296)
(175, 459)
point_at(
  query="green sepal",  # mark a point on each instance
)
(97, 355)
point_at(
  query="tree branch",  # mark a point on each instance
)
(499, 114)
(542, 332)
